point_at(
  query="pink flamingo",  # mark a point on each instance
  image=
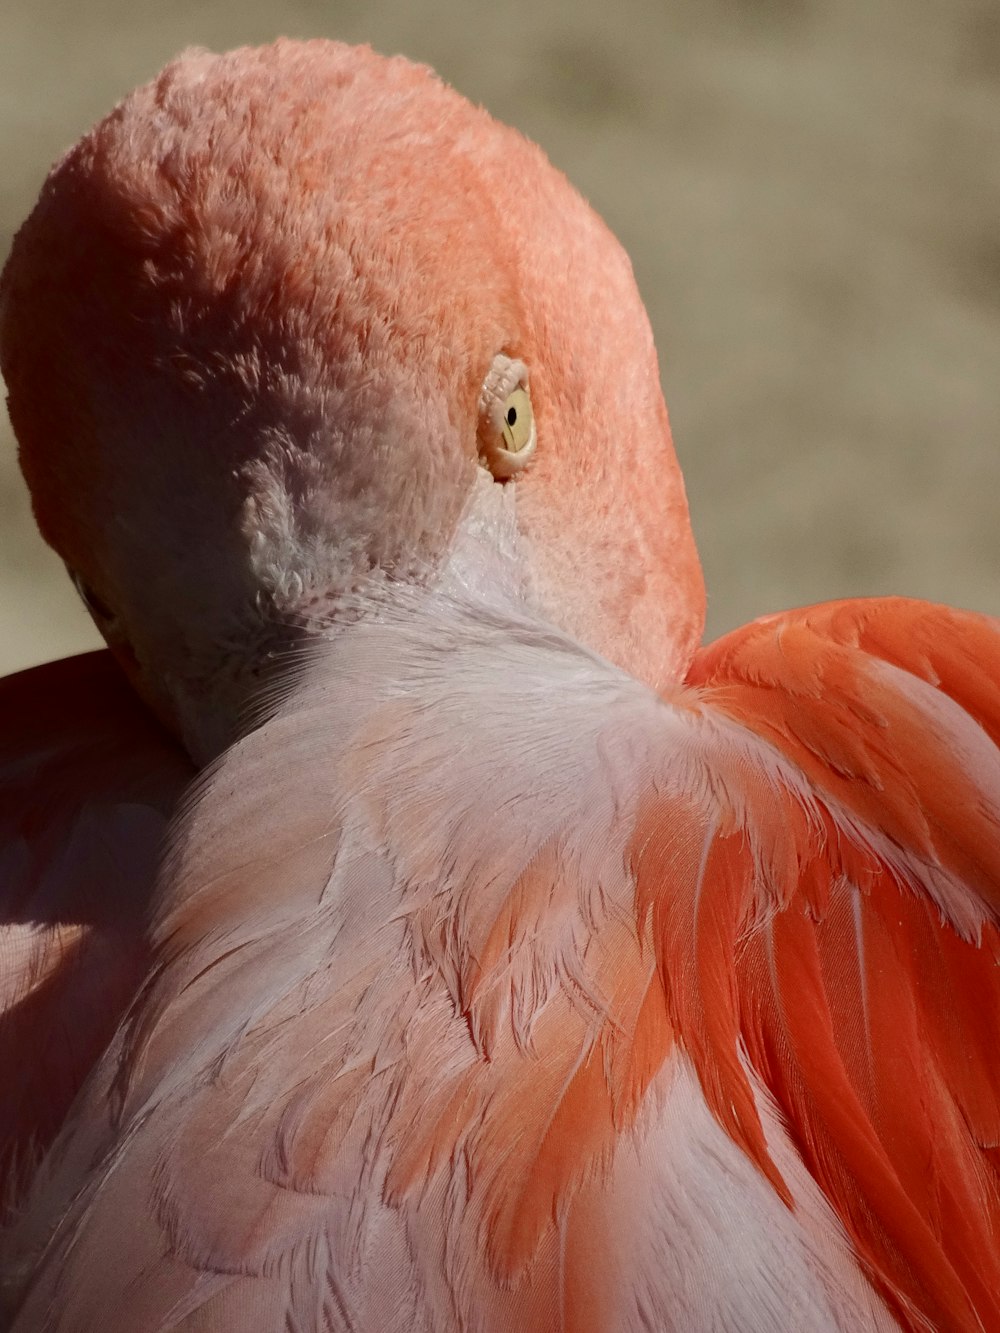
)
(512, 963)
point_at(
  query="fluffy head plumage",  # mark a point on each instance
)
(245, 331)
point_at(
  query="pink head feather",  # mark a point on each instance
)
(245, 331)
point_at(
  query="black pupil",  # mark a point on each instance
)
(511, 415)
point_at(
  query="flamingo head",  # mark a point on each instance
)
(295, 327)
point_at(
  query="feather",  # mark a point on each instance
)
(87, 782)
(447, 1021)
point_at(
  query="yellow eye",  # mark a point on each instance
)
(518, 421)
(506, 433)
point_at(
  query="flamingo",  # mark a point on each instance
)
(436, 937)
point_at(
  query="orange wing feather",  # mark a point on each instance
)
(869, 1001)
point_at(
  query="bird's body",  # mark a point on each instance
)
(87, 784)
(517, 966)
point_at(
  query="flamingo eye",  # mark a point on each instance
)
(518, 422)
(506, 435)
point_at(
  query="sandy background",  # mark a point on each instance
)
(810, 191)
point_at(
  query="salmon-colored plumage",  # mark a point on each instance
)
(87, 783)
(510, 963)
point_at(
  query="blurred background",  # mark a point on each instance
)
(810, 192)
